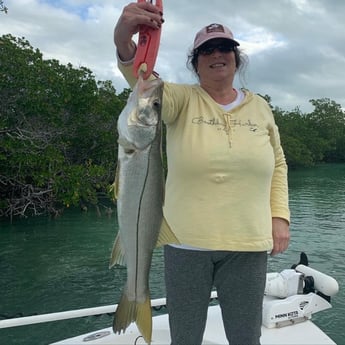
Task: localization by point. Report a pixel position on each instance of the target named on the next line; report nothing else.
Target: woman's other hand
(280, 234)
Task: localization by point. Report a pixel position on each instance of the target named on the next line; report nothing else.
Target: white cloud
(258, 39)
(307, 7)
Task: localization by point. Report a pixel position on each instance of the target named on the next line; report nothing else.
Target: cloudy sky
(296, 48)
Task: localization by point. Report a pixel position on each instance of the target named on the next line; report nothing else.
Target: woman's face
(216, 61)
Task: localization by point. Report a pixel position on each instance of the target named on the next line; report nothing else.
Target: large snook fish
(139, 189)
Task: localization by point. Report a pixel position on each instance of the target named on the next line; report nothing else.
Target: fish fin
(117, 254)
(141, 313)
(115, 186)
(166, 235)
(144, 319)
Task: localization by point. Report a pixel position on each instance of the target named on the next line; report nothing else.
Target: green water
(57, 265)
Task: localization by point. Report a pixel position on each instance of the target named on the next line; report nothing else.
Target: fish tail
(144, 319)
(140, 313)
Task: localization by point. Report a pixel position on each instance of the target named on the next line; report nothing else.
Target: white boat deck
(286, 321)
(306, 333)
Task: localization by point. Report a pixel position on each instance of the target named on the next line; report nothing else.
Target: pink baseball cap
(213, 31)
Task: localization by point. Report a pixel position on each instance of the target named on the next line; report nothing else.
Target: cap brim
(212, 38)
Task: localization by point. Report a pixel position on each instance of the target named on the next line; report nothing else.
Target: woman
(226, 191)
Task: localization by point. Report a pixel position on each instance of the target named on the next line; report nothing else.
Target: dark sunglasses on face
(208, 49)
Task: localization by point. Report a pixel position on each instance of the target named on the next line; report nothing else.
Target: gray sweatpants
(239, 278)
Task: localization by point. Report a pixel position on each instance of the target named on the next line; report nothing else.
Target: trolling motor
(300, 279)
(293, 295)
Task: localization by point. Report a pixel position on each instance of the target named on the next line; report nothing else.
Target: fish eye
(156, 103)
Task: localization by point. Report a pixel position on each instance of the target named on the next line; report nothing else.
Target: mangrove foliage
(58, 133)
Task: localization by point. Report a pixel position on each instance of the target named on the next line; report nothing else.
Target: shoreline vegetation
(58, 134)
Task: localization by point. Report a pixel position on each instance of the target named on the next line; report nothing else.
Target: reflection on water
(55, 265)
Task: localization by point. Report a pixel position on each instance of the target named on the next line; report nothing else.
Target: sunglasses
(208, 49)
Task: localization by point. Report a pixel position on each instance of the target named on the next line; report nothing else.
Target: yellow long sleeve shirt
(227, 174)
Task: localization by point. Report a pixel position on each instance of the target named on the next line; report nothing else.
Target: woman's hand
(280, 234)
(134, 15)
